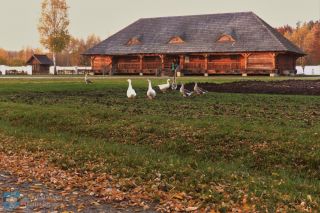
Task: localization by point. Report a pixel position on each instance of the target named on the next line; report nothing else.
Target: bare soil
(34, 196)
(292, 87)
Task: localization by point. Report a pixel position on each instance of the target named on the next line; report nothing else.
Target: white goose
(130, 92)
(86, 79)
(199, 90)
(185, 92)
(151, 93)
(164, 87)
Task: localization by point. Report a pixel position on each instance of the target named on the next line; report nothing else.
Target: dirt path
(292, 87)
(33, 196)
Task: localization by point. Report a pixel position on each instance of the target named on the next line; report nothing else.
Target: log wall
(98, 63)
(196, 64)
(150, 64)
(251, 63)
(286, 62)
(260, 61)
(229, 64)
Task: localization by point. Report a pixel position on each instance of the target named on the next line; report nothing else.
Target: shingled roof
(200, 34)
(42, 59)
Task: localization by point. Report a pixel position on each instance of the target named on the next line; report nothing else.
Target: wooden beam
(93, 58)
(110, 63)
(92, 61)
(141, 62)
(162, 61)
(274, 60)
(206, 62)
(181, 64)
(245, 56)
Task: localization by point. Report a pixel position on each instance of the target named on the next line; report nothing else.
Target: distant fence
(23, 70)
(308, 70)
(70, 70)
(27, 70)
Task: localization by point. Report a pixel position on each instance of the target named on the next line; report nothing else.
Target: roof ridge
(264, 25)
(208, 14)
(35, 56)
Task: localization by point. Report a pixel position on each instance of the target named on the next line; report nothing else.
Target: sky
(19, 18)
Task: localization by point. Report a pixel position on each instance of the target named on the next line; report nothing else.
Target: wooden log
(98, 63)
(206, 63)
(245, 56)
(260, 61)
(274, 57)
(162, 57)
(181, 64)
(141, 62)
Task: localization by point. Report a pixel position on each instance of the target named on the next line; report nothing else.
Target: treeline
(307, 37)
(71, 56)
(16, 58)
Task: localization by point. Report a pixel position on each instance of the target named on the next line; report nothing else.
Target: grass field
(218, 148)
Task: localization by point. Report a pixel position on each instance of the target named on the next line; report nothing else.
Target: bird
(151, 93)
(185, 92)
(164, 87)
(199, 90)
(86, 79)
(130, 92)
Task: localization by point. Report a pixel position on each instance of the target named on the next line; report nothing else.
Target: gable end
(226, 38)
(134, 41)
(176, 40)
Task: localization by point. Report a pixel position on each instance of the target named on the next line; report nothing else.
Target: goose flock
(151, 93)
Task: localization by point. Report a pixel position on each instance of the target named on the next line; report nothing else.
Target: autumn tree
(53, 27)
(17, 58)
(3, 57)
(307, 37)
(72, 55)
(285, 29)
(313, 45)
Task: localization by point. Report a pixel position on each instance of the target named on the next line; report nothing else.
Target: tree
(53, 27)
(285, 29)
(3, 57)
(72, 54)
(307, 37)
(3, 61)
(313, 45)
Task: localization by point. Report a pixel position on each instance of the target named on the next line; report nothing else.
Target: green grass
(266, 146)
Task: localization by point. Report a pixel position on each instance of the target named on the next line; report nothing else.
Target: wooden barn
(40, 64)
(230, 43)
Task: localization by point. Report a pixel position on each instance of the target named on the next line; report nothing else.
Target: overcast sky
(19, 18)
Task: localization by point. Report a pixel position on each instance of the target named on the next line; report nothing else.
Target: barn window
(226, 38)
(176, 40)
(134, 41)
(229, 35)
